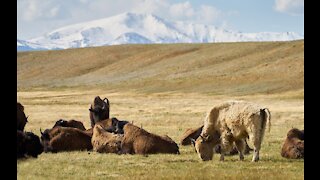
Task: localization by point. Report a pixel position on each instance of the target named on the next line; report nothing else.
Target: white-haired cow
(230, 122)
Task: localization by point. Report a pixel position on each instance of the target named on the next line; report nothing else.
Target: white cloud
(182, 10)
(292, 7)
(39, 16)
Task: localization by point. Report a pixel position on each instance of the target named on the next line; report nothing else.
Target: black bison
(99, 110)
(71, 123)
(28, 144)
(139, 141)
(293, 146)
(65, 139)
(21, 117)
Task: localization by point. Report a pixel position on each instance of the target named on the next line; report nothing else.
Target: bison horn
(193, 142)
(41, 131)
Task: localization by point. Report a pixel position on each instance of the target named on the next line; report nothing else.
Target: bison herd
(226, 129)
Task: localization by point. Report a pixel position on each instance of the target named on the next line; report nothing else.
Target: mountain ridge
(133, 28)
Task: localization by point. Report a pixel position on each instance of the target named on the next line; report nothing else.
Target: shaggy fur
(65, 139)
(71, 123)
(139, 141)
(28, 144)
(105, 142)
(233, 121)
(192, 134)
(21, 117)
(293, 146)
(99, 110)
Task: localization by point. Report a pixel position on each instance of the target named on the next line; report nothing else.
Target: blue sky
(36, 17)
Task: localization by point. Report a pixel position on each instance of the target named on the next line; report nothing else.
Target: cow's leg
(256, 141)
(226, 145)
(241, 147)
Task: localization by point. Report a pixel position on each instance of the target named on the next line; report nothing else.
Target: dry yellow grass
(166, 89)
(221, 68)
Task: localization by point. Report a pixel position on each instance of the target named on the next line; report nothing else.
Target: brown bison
(105, 142)
(191, 135)
(71, 123)
(65, 139)
(99, 110)
(21, 117)
(139, 141)
(113, 125)
(293, 146)
(28, 144)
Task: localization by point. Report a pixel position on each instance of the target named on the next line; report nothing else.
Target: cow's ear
(193, 142)
(91, 110)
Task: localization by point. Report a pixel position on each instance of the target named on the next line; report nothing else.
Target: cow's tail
(265, 116)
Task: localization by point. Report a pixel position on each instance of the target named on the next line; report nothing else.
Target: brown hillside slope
(217, 68)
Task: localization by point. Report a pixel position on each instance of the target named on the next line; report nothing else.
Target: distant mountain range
(132, 28)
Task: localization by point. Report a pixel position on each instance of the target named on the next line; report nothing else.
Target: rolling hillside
(215, 68)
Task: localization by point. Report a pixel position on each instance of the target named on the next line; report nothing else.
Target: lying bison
(139, 141)
(99, 110)
(65, 139)
(113, 125)
(104, 141)
(293, 146)
(28, 144)
(231, 122)
(71, 123)
(21, 117)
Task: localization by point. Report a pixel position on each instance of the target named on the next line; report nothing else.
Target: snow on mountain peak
(134, 28)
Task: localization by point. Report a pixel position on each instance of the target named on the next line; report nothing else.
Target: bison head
(296, 133)
(61, 123)
(33, 144)
(99, 110)
(204, 145)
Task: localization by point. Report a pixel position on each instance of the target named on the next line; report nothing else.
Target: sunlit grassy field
(160, 113)
(165, 89)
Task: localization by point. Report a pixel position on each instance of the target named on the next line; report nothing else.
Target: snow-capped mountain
(131, 28)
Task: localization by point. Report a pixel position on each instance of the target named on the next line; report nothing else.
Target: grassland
(166, 89)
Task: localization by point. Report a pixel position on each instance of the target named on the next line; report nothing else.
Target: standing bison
(230, 122)
(293, 146)
(99, 110)
(21, 117)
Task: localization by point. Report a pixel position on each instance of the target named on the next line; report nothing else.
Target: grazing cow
(71, 123)
(65, 139)
(28, 144)
(293, 146)
(139, 141)
(21, 117)
(191, 134)
(105, 142)
(230, 122)
(99, 110)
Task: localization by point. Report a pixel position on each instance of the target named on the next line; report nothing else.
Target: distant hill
(218, 68)
(133, 28)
